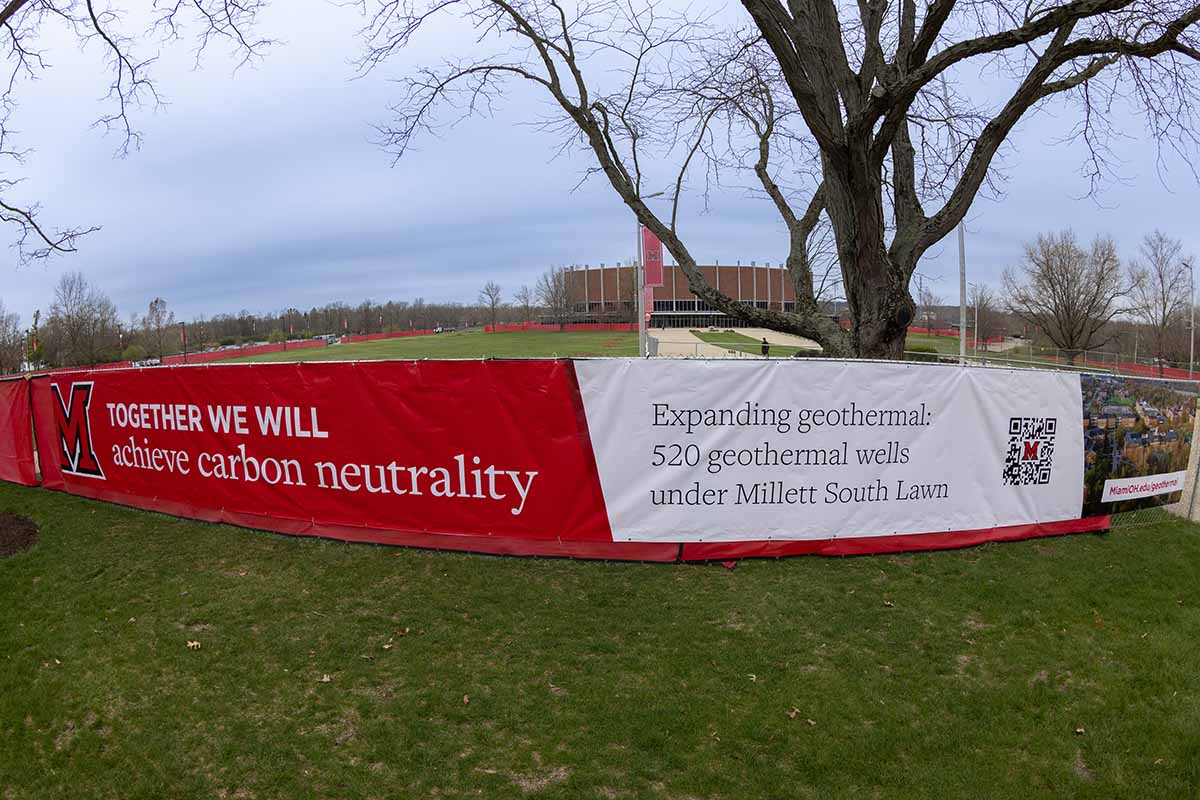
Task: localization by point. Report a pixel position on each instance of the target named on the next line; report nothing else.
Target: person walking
(766, 348)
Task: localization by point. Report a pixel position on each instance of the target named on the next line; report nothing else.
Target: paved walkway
(775, 337)
(681, 343)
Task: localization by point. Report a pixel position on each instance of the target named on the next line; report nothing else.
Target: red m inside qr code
(1030, 450)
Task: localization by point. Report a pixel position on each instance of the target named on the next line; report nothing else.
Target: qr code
(1030, 451)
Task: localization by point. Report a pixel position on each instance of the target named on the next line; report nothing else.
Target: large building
(609, 294)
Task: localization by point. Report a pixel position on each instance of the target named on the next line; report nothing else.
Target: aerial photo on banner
(1137, 435)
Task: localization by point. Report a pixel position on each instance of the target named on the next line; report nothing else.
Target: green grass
(747, 344)
(951, 674)
(470, 344)
(738, 341)
(948, 346)
(945, 345)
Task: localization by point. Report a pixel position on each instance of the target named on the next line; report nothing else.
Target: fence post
(1193, 469)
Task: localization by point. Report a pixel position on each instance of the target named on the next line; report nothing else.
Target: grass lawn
(354, 671)
(747, 344)
(470, 344)
(1019, 356)
(946, 345)
(738, 341)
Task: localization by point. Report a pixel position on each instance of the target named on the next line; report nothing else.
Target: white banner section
(692, 451)
(1117, 489)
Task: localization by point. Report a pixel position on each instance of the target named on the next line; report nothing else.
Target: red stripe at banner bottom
(871, 545)
(613, 551)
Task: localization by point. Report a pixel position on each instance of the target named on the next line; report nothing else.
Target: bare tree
(1067, 293)
(846, 112)
(489, 298)
(158, 323)
(12, 341)
(82, 319)
(929, 302)
(985, 315)
(1178, 344)
(26, 34)
(1161, 291)
(554, 294)
(524, 298)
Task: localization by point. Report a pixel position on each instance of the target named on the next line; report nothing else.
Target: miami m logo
(76, 454)
(1031, 451)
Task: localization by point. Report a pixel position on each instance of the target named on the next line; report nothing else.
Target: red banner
(240, 352)
(16, 434)
(868, 545)
(578, 326)
(652, 258)
(489, 455)
(498, 456)
(372, 337)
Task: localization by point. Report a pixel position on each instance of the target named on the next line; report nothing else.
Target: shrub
(920, 352)
(135, 352)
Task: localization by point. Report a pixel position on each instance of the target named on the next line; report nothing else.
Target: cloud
(263, 189)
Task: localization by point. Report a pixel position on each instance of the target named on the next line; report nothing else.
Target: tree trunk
(880, 305)
(876, 282)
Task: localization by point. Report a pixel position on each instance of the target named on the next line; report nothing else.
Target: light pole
(640, 273)
(1192, 324)
(976, 325)
(962, 255)
(975, 288)
(962, 296)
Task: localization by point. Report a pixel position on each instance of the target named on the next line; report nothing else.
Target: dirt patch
(64, 739)
(533, 782)
(975, 623)
(342, 731)
(17, 534)
(1081, 769)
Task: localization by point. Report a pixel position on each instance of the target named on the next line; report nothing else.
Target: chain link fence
(1026, 353)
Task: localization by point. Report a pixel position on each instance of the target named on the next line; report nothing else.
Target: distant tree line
(82, 325)
(1079, 299)
(1061, 295)
(1076, 299)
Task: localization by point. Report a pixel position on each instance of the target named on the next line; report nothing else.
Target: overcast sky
(263, 189)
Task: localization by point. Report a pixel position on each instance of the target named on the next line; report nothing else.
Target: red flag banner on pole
(652, 258)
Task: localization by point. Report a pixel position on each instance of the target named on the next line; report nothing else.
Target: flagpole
(640, 271)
